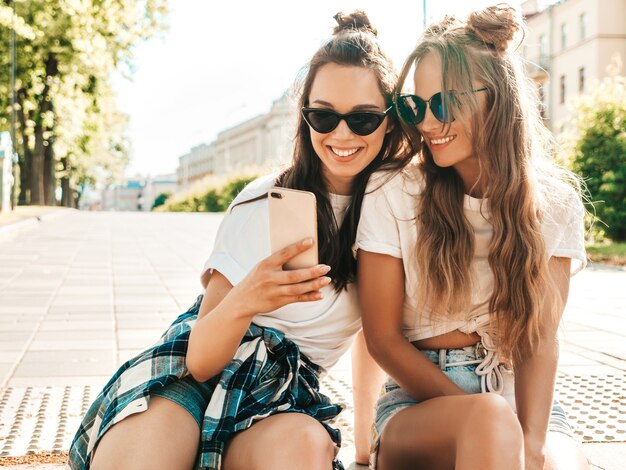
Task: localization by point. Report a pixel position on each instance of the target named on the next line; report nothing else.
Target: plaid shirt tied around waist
(267, 375)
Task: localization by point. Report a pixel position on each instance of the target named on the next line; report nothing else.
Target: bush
(598, 152)
(160, 200)
(232, 188)
(600, 159)
(211, 201)
(213, 194)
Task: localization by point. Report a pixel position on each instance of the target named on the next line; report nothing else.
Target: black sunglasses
(412, 108)
(360, 122)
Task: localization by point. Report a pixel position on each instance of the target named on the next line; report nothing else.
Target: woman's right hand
(268, 286)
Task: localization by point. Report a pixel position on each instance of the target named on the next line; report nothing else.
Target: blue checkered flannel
(268, 375)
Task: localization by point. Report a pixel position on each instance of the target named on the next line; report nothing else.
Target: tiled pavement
(82, 292)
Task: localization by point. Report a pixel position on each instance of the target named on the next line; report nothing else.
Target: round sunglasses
(360, 122)
(412, 108)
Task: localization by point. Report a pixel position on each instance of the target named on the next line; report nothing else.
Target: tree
(597, 150)
(160, 200)
(66, 53)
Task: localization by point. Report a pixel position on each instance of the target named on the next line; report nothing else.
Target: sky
(222, 62)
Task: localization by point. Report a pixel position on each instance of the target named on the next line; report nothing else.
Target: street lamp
(12, 91)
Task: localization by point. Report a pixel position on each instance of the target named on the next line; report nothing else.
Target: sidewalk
(82, 292)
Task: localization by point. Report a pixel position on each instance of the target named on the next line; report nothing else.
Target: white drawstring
(489, 367)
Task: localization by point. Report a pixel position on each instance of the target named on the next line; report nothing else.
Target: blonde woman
(464, 263)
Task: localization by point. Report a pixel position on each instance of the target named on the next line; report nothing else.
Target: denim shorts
(193, 396)
(393, 399)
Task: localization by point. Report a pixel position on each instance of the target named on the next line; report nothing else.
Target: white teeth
(344, 153)
(443, 140)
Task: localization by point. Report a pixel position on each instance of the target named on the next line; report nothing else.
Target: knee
(491, 418)
(312, 443)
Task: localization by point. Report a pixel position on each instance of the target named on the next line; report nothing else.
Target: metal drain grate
(35, 419)
(595, 406)
(340, 391)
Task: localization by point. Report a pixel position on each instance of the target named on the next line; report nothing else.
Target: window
(563, 36)
(581, 79)
(562, 90)
(583, 26)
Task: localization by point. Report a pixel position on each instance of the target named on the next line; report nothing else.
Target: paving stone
(67, 369)
(94, 289)
(137, 338)
(71, 335)
(75, 325)
(21, 309)
(12, 325)
(11, 346)
(141, 291)
(68, 357)
(71, 344)
(101, 300)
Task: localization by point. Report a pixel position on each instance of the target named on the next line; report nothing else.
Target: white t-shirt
(323, 329)
(387, 226)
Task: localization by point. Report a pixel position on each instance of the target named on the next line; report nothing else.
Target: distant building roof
(134, 184)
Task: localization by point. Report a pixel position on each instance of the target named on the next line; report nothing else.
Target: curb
(604, 267)
(33, 221)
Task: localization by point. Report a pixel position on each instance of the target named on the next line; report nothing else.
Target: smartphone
(293, 217)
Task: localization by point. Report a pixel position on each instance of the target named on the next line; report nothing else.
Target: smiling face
(450, 146)
(343, 153)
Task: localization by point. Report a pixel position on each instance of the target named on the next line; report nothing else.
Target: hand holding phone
(293, 217)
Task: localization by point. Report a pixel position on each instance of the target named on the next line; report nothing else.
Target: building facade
(570, 44)
(262, 141)
(195, 165)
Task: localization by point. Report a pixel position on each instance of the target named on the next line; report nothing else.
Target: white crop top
(323, 329)
(387, 226)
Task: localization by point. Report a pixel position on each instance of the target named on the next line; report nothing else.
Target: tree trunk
(25, 160)
(37, 188)
(66, 190)
(37, 167)
(49, 176)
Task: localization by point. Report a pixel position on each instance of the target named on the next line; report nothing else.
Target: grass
(607, 253)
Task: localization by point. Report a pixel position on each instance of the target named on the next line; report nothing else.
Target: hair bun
(436, 29)
(357, 21)
(495, 26)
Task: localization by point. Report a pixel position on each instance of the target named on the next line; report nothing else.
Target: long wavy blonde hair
(513, 149)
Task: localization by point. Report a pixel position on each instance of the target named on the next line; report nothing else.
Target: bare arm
(367, 378)
(535, 374)
(381, 296)
(226, 311)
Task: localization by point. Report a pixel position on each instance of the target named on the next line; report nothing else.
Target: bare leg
(453, 432)
(281, 442)
(165, 436)
(564, 453)
(367, 378)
